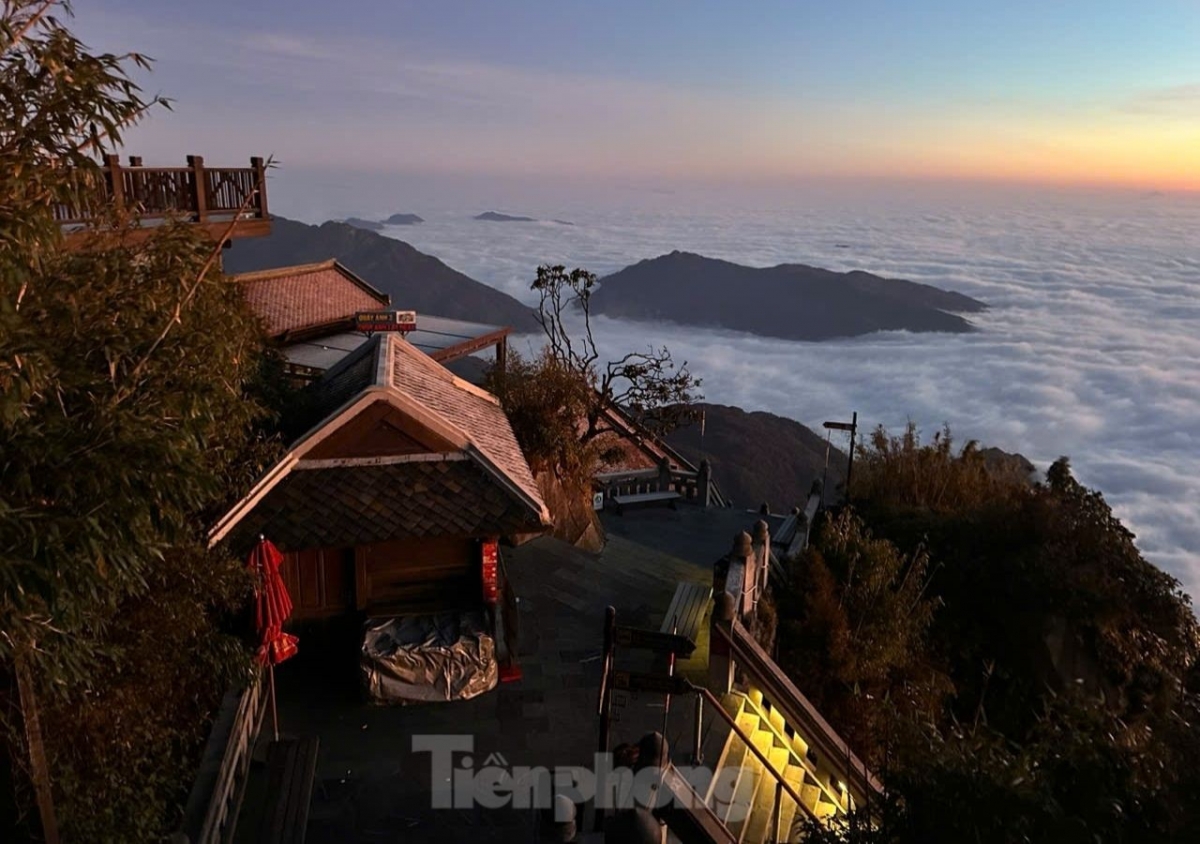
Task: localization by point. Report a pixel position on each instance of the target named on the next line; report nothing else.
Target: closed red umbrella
(272, 607)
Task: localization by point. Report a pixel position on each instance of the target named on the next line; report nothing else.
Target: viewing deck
(208, 196)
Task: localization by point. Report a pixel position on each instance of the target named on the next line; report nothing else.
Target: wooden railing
(212, 808)
(197, 193)
(696, 487)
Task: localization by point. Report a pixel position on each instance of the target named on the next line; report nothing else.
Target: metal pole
(780, 835)
(850, 462)
(610, 644)
(665, 763)
(610, 636)
(825, 477)
(670, 673)
(274, 711)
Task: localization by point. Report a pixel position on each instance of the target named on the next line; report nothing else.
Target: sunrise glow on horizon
(1084, 93)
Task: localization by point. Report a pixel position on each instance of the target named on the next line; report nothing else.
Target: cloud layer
(1091, 348)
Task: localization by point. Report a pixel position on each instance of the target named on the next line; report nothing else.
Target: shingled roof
(427, 454)
(298, 301)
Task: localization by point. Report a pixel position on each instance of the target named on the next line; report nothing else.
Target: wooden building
(394, 500)
(308, 310)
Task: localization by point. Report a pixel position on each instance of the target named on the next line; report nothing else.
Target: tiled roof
(484, 488)
(639, 447)
(292, 300)
(350, 376)
(344, 506)
(470, 408)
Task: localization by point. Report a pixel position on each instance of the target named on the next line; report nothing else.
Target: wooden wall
(385, 578)
(418, 575)
(320, 581)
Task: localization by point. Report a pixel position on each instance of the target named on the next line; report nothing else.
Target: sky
(675, 92)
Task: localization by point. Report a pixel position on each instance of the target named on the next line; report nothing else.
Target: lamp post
(852, 427)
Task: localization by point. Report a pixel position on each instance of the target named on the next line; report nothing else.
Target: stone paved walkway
(372, 788)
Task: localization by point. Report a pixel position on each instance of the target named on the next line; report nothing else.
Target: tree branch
(29, 24)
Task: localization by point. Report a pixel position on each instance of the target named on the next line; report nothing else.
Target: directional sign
(653, 640)
(840, 426)
(638, 681)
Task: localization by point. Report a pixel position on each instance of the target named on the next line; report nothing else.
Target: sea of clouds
(1091, 346)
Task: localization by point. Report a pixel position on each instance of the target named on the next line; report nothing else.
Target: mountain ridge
(412, 278)
(789, 301)
(760, 457)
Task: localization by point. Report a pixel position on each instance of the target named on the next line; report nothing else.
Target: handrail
(750, 656)
(632, 474)
(712, 701)
(804, 763)
(213, 804)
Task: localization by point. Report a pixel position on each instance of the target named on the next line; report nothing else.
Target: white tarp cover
(425, 658)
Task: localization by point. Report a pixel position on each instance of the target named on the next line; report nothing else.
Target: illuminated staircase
(775, 763)
(756, 800)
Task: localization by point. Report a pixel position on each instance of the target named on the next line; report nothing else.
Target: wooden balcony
(212, 197)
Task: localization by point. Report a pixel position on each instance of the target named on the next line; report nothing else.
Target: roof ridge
(349, 359)
(443, 372)
(474, 389)
(316, 267)
(294, 269)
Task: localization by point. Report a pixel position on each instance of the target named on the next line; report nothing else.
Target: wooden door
(320, 581)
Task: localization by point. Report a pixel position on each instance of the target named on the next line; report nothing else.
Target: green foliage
(1022, 566)
(545, 401)
(901, 473)
(134, 421)
(130, 376)
(124, 748)
(1072, 703)
(855, 621)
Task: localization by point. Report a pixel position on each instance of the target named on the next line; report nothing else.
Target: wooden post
(136, 184)
(762, 553)
(664, 475)
(199, 187)
(720, 660)
(742, 557)
(39, 769)
(116, 182)
(260, 185)
(704, 483)
(502, 355)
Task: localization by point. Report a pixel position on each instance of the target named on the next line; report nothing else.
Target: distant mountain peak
(403, 220)
(497, 217)
(791, 301)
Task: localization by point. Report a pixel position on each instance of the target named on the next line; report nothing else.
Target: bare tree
(646, 384)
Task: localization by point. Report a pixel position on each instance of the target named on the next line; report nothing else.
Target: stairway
(744, 793)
